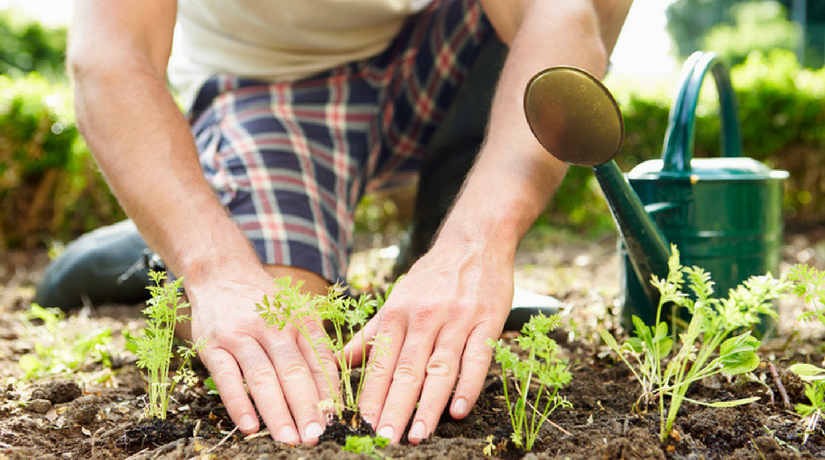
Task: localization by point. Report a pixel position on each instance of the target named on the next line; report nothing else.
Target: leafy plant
(154, 350)
(345, 315)
(49, 183)
(55, 352)
(366, 445)
(712, 331)
(528, 413)
(809, 284)
(27, 46)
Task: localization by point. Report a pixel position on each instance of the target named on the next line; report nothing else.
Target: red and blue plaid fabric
(291, 160)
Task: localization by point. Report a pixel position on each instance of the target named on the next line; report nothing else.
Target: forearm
(142, 143)
(514, 177)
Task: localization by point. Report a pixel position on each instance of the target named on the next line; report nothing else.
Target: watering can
(723, 214)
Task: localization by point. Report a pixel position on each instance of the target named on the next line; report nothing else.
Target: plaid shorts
(291, 160)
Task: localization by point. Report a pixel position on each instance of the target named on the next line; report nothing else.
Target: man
(295, 107)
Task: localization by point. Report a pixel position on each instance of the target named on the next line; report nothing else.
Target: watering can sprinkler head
(574, 116)
(576, 119)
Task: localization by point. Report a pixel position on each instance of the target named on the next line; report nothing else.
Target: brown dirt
(93, 413)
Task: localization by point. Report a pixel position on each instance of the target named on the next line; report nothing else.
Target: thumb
(357, 350)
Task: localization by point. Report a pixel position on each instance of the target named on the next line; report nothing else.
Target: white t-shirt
(278, 40)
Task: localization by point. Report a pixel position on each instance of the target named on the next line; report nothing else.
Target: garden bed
(92, 413)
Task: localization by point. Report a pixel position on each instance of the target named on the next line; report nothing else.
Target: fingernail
(312, 431)
(418, 431)
(460, 406)
(387, 432)
(247, 423)
(288, 435)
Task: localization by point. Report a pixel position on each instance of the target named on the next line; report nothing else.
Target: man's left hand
(433, 329)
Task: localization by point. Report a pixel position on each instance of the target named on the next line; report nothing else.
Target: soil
(96, 412)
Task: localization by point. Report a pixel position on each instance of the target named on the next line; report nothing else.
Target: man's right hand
(282, 374)
(117, 56)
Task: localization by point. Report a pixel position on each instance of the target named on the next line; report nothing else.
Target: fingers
(228, 380)
(441, 372)
(380, 367)
(262, 381)
(407, 380)
(475, 363)
(291, 375)
(285, 393)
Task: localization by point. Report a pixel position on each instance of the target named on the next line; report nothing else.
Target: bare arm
(118, 54)
(468, 274)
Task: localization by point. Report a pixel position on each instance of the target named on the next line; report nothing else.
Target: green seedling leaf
(288, 306)
(609, 340)
(209, 383)
(808, 372)
(155, 348)
(734, 403)
(542, 367)
(31, 365)
(738, 354)
(366, 445)
(715, 328)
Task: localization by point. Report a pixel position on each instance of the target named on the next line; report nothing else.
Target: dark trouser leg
(451, 153)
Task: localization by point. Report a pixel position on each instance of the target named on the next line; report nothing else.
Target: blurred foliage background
(51, 189)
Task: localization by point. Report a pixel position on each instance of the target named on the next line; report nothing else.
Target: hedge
(782, 115)
(49, 184)
(50, 187)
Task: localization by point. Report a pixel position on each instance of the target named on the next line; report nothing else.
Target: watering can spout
(578, 121)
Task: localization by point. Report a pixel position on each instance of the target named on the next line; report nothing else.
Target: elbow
(580, 18)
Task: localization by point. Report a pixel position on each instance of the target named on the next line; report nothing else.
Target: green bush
(49, 184)
(782, 113)
(27, 46)
(758, 26)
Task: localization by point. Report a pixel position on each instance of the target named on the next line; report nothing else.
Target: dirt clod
(152, 433)
(39, 406)
(349, 424)
(57, 391)
(84, 409)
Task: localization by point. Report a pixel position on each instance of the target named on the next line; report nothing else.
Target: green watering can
(724, 214)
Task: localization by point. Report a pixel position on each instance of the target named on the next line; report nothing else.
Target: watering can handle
(678, 148)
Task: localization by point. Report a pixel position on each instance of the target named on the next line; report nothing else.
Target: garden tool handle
(678, 148)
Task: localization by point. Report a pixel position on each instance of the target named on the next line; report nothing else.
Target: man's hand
(281, 372)
(458, 295)
(436, 320)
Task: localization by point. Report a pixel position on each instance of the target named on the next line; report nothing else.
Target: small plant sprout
(709, 333)
(809, 284)
(155, 349)
(489, 448)
(528, 414)
(366, 445)
(57, 351)
(344, 314)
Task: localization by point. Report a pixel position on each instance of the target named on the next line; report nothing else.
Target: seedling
(710, 332)
(543, 365)
(288, 306)
(366, 445)
(809, 284)
(56, 352)
(154, 350)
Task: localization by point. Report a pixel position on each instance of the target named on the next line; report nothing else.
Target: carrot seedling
(155, 349)
(809, 284)
(543, 364)
(710, 332)
(346, 315)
